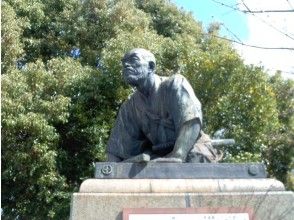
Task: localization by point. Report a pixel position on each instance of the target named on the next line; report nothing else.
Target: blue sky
(208, 11)
(262, 30)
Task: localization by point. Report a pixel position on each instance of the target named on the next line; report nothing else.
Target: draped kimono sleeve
(126, 136)
(183, 104)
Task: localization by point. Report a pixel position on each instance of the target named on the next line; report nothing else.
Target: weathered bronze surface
(161, 121)
(151, 170)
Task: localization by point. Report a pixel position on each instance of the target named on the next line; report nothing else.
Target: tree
(29, 145)
(11, 31)
(280, 153)
(49, 29)
(248, 113)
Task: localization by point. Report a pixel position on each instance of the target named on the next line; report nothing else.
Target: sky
(258, 29)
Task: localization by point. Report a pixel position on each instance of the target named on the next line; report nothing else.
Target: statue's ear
(151, 65)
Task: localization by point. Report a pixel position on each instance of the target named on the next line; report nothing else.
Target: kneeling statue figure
(161, 121)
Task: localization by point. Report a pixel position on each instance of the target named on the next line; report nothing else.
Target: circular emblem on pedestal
(253, 170)
(106, 169)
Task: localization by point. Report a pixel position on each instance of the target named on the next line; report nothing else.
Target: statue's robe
(157, 123)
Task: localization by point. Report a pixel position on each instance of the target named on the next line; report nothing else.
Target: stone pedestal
(105, 199)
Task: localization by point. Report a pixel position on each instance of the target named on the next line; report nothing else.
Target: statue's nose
(126, 65)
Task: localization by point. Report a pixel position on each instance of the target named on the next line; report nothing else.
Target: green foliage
(280, 153)
(57, 111)
(54, 126)
(49, 30)
(247, 111)
(11, 30)
(168, 20)
(29, 145)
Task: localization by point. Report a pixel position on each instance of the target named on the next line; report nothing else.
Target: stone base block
(179, 185)
(106, 205)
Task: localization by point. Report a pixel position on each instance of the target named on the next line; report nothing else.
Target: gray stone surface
(108, 170)
(179, 185)
(109, 206)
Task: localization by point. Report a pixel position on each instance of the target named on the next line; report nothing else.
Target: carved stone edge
(179, 185)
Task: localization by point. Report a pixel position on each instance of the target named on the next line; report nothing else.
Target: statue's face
(135, 67)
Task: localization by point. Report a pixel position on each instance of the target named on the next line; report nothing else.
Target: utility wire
(234, 35)
(246, 6)
(268, 11)
(252, 13)
(253, 46)
(226, 5)
(239, 41)
(289, 3)
(231, 10)
(263, 11)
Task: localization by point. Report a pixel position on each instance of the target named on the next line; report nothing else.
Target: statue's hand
(144, 157)
(177, 155)
(167, 160)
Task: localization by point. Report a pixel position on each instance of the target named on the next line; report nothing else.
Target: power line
(226, 5)
(253, 14)
(270, 25)
(258, 47)
(234, 35)
(231, 10)
(250, 45)
(239, 41)
(268, 11)
(289, 3)
(254, 11)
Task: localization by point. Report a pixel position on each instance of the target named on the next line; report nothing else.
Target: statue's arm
(186, 113)
(186, 139)
(124, 140)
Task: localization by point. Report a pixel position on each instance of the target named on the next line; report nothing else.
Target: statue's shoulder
(130, 101)
(178, 78)
(133, 95)
(175, 81)
(133, 100)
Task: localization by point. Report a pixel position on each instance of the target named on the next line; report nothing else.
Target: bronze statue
(161, 121)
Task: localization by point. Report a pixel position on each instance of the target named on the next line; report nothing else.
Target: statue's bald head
(138, 66)
(142, 53)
